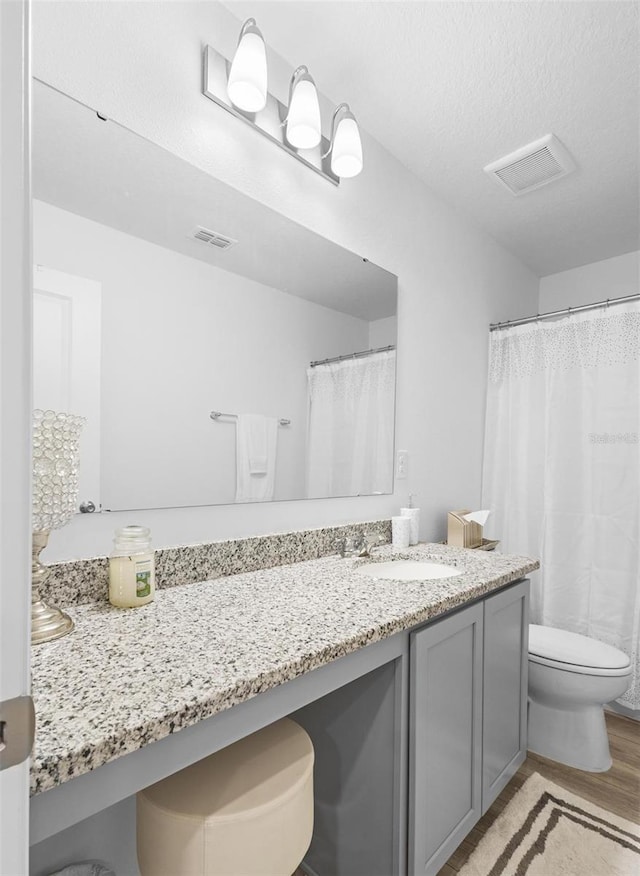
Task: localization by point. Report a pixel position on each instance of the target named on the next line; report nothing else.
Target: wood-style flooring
(617, 790)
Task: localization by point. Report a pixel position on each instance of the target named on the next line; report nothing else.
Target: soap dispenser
(131, 568)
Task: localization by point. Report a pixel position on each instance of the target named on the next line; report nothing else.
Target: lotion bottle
(131, 568)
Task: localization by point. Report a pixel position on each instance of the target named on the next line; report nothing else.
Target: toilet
(571, 677)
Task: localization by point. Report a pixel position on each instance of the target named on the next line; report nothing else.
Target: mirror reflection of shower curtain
(562, 469)
(351, 422)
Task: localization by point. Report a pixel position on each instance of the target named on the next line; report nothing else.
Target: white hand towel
(256, 446)
(258, 465)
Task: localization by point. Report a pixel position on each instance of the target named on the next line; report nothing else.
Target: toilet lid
(561, 646)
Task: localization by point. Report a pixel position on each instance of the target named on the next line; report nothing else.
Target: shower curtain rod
(527, 319)
(353, 355)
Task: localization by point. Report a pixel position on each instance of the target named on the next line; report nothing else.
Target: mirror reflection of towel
(258, 465)
(256, 446)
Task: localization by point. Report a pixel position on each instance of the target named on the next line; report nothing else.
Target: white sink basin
(408, 570)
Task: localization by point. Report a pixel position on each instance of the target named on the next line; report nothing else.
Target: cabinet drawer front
(445, 737)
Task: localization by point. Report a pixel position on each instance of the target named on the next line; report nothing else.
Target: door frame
(15, 409)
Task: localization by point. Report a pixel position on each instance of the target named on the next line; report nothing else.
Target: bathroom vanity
(413, 692)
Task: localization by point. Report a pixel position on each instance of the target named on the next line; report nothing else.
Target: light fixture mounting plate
(269, 121)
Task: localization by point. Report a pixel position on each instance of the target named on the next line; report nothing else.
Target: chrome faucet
(371, 541)
(358, 545)
(349, 547)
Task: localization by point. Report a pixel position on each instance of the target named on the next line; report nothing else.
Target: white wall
(181, 337)
(610, 278)
(141, 64)
(383, 332)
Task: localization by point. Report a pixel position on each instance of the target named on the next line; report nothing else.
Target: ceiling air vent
(532, 166)
(212, 238)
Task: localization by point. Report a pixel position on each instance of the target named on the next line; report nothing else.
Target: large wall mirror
(190, 325)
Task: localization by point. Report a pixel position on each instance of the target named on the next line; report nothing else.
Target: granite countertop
(127, 677)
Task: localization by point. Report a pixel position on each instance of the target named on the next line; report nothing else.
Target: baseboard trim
(619, 709)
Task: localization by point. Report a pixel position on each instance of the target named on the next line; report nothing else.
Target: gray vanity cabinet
(445, 743)
(504, 728)
(468, 700)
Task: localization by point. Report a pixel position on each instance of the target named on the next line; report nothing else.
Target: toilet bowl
(571, 677)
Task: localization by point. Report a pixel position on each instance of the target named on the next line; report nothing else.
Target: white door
(15, 424)
(66, 361)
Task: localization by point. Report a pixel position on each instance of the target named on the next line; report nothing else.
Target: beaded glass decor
(56, 459)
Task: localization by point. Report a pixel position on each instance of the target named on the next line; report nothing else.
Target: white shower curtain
(562, 468)
(351, 418)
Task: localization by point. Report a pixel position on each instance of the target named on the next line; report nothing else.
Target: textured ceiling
(449, 87)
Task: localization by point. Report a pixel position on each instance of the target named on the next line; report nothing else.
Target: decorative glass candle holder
(56, 457)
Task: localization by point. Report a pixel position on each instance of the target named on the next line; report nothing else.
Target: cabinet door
(445, 737)
(506, 645)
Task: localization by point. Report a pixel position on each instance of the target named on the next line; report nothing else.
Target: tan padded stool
(245, 811)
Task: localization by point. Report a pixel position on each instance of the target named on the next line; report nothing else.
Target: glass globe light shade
(247, 83)
(303, 119)
(346, 149)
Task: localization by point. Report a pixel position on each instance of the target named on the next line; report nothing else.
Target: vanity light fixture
(303, 125)
(346, 145)
(240, 87)
(247, 83)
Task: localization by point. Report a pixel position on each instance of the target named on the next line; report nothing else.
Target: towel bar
(215, 415)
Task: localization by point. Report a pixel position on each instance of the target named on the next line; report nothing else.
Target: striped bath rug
(547, 831)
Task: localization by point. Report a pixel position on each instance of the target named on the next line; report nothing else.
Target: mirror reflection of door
(66, 361)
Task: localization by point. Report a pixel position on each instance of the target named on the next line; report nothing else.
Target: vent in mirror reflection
(212, 237)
